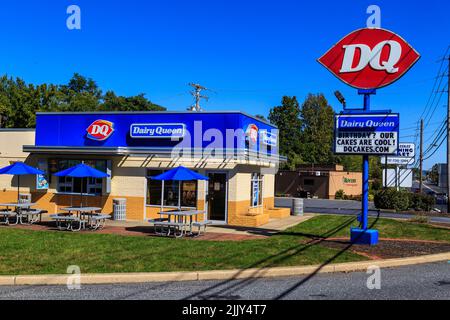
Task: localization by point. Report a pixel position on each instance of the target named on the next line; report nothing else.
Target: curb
(112, 278)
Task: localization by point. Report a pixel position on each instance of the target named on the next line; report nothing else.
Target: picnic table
(19, 211)
(181, 221)
(77, 218)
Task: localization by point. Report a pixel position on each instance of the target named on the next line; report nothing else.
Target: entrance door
(217, 197)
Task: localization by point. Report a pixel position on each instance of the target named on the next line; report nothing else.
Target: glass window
(90, 186)
(189, 194)
(154, 188)
(256, 190)
(171, 193)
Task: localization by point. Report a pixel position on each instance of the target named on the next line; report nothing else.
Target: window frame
(257, 178)
(87, 185)
(163, 187)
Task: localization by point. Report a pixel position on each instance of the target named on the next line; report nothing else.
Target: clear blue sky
(250, 52)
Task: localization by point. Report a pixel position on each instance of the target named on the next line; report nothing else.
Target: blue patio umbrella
(179, 174)
(20, 169)
(82, 171)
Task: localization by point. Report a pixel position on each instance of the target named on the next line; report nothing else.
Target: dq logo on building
(370, 58)
(100, 130)
(252, 133)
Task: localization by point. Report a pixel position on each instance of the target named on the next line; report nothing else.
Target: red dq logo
(100, 130)
(252, 133)
(370, 58)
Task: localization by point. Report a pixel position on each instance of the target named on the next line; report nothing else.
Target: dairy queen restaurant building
(238, 152)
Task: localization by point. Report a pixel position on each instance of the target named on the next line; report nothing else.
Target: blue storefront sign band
(155, 130)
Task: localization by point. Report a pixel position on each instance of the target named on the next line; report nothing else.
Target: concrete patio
(213, 232)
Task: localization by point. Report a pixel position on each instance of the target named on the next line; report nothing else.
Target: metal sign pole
(364, 235)
(365, 168)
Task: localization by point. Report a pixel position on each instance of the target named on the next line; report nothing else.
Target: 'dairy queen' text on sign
(366, 134)
(156, 130)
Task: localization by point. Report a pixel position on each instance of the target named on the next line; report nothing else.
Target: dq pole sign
(368, 59)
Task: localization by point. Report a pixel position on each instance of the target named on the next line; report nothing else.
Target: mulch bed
(391, 248)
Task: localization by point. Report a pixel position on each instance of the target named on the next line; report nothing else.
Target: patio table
(85, 213)
(179, 219)
(17, 209)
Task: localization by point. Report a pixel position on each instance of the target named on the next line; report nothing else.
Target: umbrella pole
(179, 199)
(179, 195)
(82, 180)
(18, 189)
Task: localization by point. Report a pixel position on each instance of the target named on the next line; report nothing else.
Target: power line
(438, 147)
(432, 98)
(437, 103)
(435, 82)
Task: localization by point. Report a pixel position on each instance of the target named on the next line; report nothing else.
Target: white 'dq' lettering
(103, 130)
(372, 57)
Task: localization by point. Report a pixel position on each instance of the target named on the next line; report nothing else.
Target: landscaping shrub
(376, 185)
(339, 195)
(403, 200)
(392, 199)
(354, 198)
(420, 219)
(421, 202)
(428, 202)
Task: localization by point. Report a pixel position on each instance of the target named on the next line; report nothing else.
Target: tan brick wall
(269, 185)
(239, 210)
(11, 142)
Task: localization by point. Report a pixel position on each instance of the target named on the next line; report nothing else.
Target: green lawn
(43, 252)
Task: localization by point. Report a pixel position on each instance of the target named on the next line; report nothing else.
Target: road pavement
(428, 281)
(349, 207)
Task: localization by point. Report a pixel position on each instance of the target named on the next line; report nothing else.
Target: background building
(442, 175)
(318, 181)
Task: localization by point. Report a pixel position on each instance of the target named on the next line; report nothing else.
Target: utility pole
(197, 96)
(421, 157)
(448, 137)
